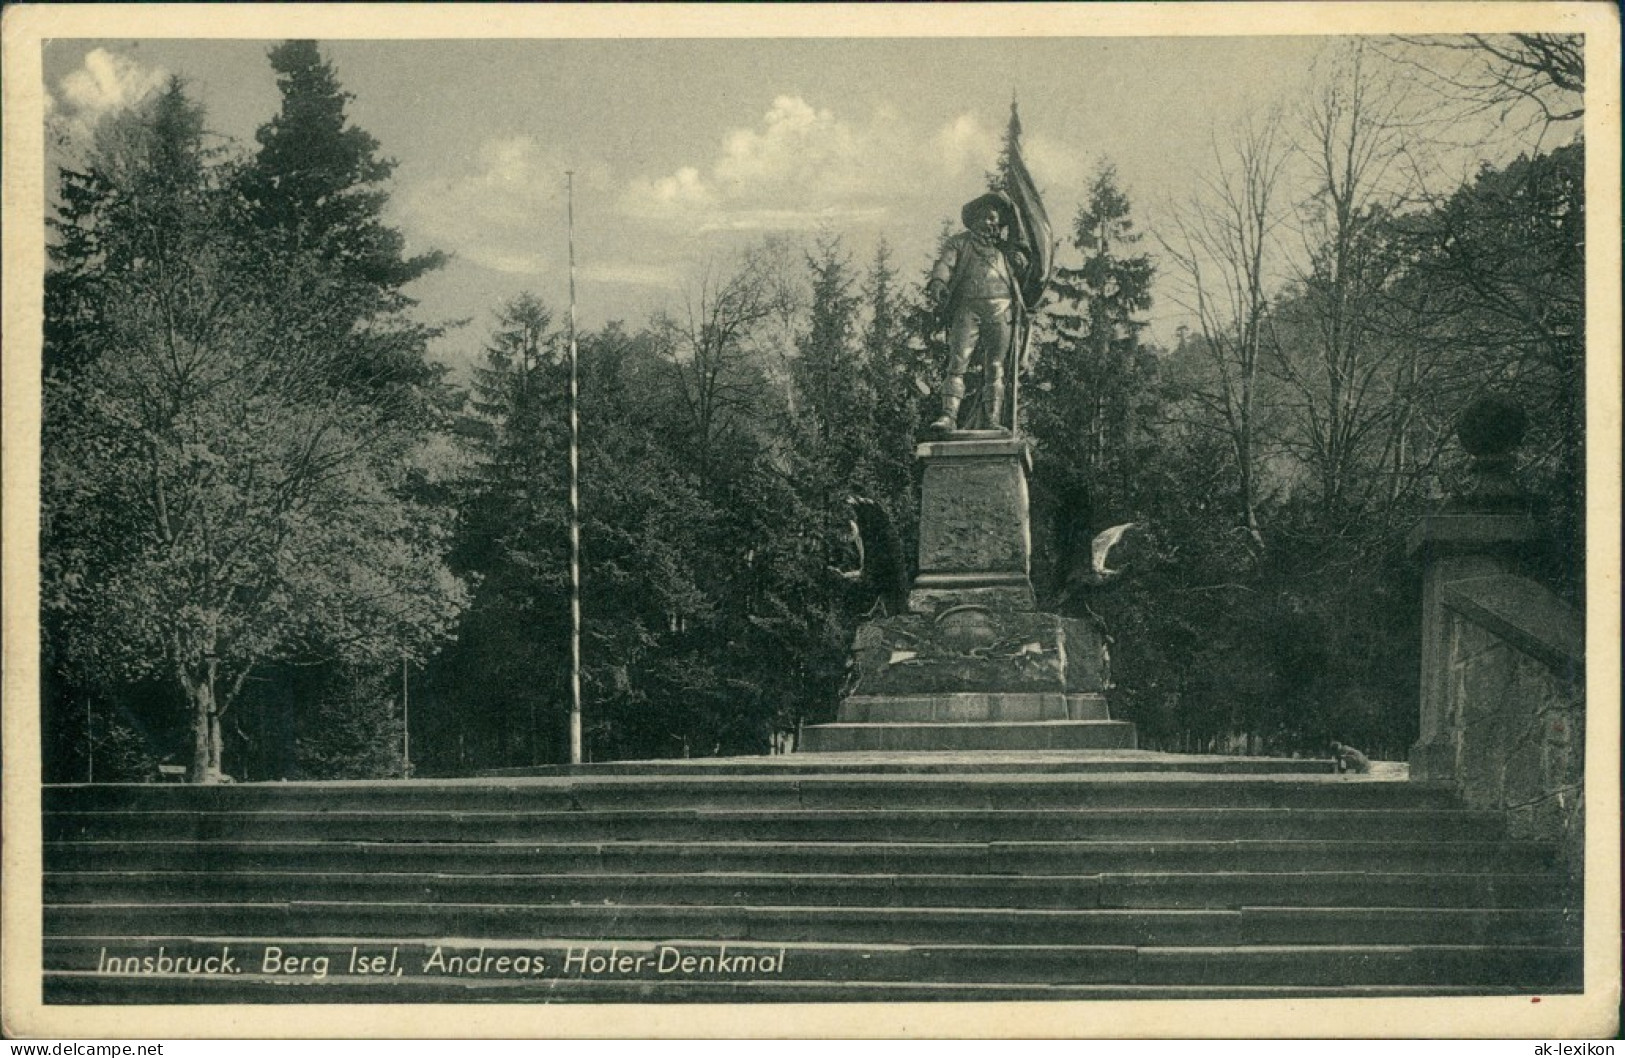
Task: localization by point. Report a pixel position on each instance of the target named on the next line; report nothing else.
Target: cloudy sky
(686, 150)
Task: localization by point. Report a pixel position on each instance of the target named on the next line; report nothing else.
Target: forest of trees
(270, 522)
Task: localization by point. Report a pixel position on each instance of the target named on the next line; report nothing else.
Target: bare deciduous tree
(1350, 377)
(1540, 76)
(1222, 251)
(719, 370)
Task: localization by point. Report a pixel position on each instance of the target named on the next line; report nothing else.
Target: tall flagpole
(406, 722)
(575, 500)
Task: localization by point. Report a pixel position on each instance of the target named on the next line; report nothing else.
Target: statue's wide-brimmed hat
(997, 200)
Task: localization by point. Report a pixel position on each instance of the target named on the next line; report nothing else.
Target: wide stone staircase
(851, 877)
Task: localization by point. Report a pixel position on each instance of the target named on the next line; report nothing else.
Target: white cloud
(965, 144)
(500, 260)
(633, 274)
(684, 189)
(1056, 165)
(801, 167)
(769, 220)
(105, 83)
(795, 144)
(108, 81)
(501, 209)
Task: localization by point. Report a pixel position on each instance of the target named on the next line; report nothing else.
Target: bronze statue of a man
(977, 285)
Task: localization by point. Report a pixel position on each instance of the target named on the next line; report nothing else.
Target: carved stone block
(974, 529)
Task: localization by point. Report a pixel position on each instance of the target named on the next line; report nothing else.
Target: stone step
(1540, 927)
(1114, 763)
(776, 791)
(895, 875)
(337, 961)
(993, 857)
(713, 824)
(90, 988)
(1042, 735)
(1139, 890)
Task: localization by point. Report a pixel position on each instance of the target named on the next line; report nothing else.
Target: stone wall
(1516, 709)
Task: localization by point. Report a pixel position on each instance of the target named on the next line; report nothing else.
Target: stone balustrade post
(1480, 532)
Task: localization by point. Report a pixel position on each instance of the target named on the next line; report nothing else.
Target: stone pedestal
(973, 665)
(975, 537)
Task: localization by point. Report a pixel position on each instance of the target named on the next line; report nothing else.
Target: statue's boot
(995, 410)
(953, 391)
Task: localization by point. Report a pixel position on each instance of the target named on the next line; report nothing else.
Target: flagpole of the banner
(575, 496)
(1018, 349)
(1034, 227)
(1018, 354)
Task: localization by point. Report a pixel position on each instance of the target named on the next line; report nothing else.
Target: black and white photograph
(924, 520)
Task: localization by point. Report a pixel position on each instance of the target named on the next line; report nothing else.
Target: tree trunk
(207, 742)
(215, 772)
(198, 770)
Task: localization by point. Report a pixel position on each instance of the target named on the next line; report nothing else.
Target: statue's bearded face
(987, 223)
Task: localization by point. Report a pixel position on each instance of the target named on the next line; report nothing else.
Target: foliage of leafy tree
(666, 557)
(718, 369)
(213, 501)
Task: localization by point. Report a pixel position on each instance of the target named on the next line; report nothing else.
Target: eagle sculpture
(881, 576)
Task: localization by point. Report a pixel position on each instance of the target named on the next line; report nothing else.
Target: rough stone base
(971, 708)
(1057, 734)
(931, 601)
(973, 650)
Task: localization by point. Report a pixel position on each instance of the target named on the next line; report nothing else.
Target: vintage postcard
(952, 520)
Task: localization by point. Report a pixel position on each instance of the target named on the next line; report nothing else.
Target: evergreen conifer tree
(320, 180)
(1092, 374)
(318, 185)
